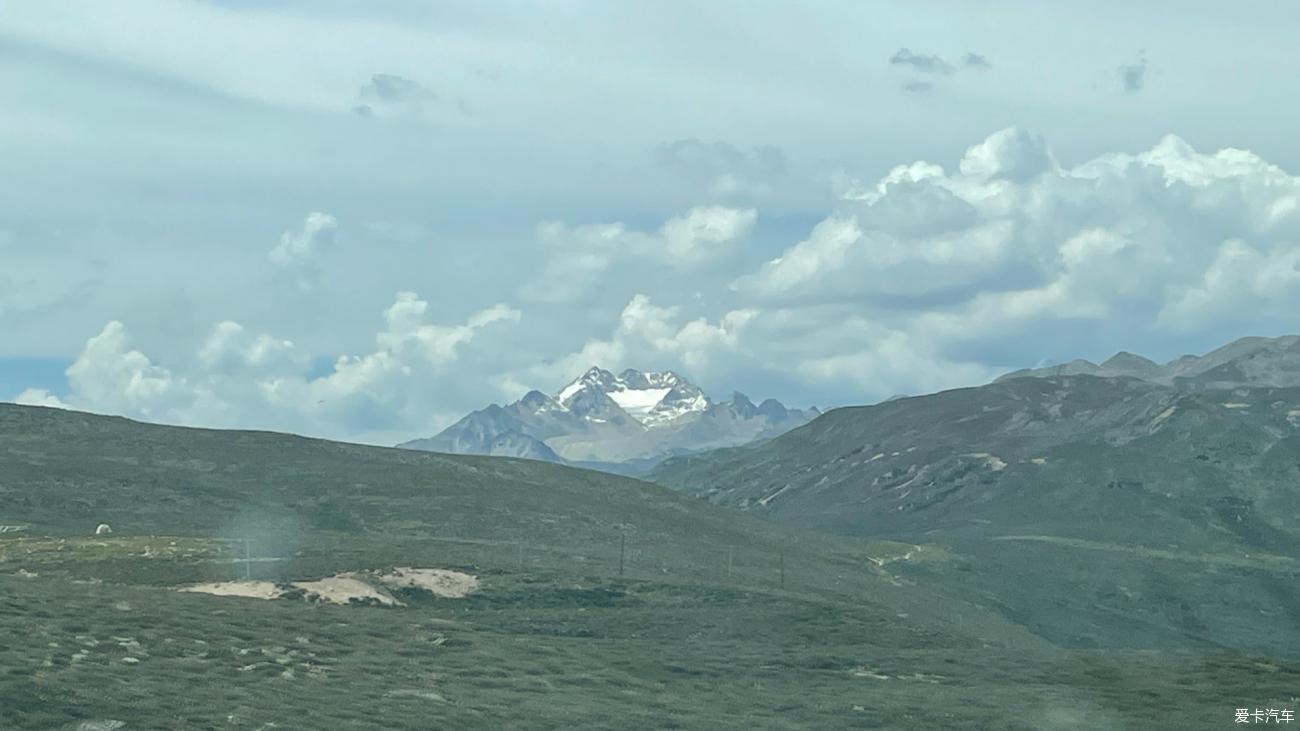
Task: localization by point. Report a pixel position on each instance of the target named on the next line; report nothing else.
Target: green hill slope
(1100, 511)
(713, 620)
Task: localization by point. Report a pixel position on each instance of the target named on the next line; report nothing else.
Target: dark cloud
(924, 63)
(1133, 76)
(933, 66)
(392, 94)
(392, 88)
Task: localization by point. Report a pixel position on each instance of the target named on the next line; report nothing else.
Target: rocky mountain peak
(652, 398)
(595, 378)
(743, 407)
(601, 417)
(773, 409)
(681, 399)
(593, 404)
(1125, 361)
(632, 378)
(536, 401)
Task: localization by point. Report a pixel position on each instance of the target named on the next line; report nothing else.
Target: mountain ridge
(1136, 504)
(1246, 361)
(623, 423)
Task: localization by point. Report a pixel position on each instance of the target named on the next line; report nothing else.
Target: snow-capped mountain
(652, 399)
(621, 422)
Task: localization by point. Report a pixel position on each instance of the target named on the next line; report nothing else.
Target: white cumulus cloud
(578, 257)
(649, 336)
(297, 251)
(929, 277)
(236, 377)
(1170, 237)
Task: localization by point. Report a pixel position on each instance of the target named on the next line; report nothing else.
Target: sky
(362, 220)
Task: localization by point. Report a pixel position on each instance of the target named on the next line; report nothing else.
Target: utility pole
(622, 550)
(248, 560)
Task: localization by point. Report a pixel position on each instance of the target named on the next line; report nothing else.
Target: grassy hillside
(716, 620)
(1099, 512)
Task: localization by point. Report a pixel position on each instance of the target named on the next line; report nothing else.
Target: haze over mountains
(621, 422)
(1144, 500)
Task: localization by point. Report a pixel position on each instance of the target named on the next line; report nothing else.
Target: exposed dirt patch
(1162, 416)
(249, 589)
(355, 587)
(994, 462)
(439, 582)
(344, 589)
(427, 695)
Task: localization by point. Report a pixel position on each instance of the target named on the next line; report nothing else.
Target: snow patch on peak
(683, 399)
(569, 391)
(600, 417)
(652, 398)
(595, 378)
(638, 401)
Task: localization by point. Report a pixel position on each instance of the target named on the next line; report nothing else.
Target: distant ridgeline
(1253, 362)
(622, 423)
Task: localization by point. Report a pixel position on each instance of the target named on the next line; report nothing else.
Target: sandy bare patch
(1163, 415)
(249, 589)
(865, 672)
(439, 582)
(109, 725)
(765, 500)
(992, 460)
(427, 695)
(343, 588)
